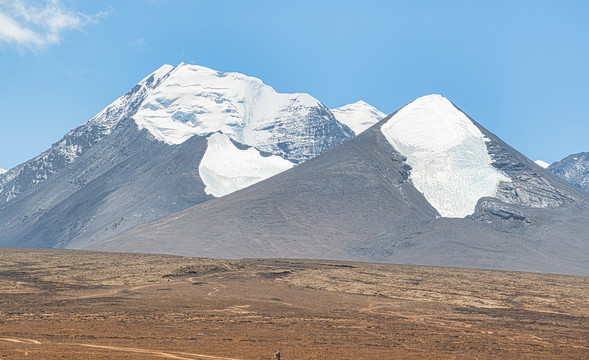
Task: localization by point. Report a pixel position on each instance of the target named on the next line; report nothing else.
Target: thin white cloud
(38, 23)
(140, 42)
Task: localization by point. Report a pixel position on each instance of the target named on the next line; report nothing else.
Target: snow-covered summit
(195, 100)
(2, 171)
(447, 152)
(542, 163)
(358, 116)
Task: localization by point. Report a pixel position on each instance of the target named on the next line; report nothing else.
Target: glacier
(226, 168)
(448, 155)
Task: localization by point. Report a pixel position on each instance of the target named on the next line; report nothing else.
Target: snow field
(225, 168)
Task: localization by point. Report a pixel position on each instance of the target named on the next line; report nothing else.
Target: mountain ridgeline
(181, 136)
(384, 195)
(198, 162)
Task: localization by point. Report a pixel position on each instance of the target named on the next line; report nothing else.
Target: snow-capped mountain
(455, 162)
(542, 163)
(141, 157)
(574, 169)
(194, 100)
(358, 116)
(2, 171)
(175, 103)
(426, 185)
(450, 163)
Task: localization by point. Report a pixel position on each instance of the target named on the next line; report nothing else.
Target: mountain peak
(359, 103)
(573, 168)
(195, 100)
(2, 171)
(432, 97)
(358, 116)
(447, 152)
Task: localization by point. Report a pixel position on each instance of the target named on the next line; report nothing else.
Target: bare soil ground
(84, 305)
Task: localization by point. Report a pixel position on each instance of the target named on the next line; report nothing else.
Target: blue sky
(520, 68)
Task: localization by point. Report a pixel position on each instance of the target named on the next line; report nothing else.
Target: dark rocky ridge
(24, 177)
(573, 168)
(128, 179)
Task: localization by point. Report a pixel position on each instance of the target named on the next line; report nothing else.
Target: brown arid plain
(57, 304)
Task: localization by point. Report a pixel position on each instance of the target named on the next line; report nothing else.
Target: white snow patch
(2, 171)
(450, 162)
(543, 164)
(225, 168)
(358, 116)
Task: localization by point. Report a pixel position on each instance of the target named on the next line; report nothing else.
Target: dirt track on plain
(73, 305)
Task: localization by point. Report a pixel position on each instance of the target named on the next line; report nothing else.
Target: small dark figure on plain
(278, 357)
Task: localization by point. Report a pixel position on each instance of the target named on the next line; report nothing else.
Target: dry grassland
(85, 305)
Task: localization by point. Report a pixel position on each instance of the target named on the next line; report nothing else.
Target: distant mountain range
(573, 168)
(181, 136)
(194, 161)
(426, 185)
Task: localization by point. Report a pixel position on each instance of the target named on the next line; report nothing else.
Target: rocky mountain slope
(573, 168)
(181, 136)
(427, 185)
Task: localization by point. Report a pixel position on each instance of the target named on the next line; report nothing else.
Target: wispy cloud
(142, 43)
(39, 23)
